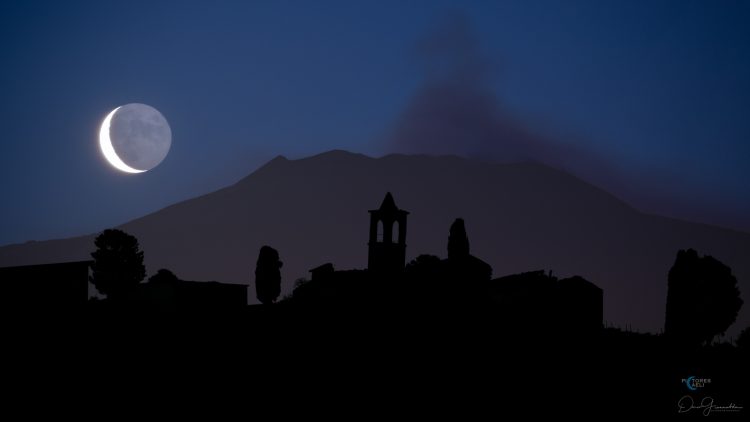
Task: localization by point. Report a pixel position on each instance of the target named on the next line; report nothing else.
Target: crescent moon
(108, 150)
(689, 383)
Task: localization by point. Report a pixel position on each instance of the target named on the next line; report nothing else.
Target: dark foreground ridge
(461, 358)
(426, 337)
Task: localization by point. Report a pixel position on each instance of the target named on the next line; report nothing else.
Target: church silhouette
(387, 245)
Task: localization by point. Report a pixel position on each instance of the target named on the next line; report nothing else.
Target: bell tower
(387, 246)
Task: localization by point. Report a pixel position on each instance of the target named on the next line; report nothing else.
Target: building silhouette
(387, 245)
(539, 300)
(321, 272)
(55, 286)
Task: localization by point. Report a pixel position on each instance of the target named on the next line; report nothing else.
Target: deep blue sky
(654, 96)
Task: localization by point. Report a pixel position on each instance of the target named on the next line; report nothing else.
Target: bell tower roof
(388, 203)
(388, 206)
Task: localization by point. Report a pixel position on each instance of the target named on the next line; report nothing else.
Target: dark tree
(702, 299)
(424, 267)
(743, 340)
(458, 241)
(462, 266)
(163, 276)
(118, 264)
(268, 275)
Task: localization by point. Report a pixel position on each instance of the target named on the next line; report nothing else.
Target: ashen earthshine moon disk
(135, 138)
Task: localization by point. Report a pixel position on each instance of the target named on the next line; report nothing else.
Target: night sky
(649, 100)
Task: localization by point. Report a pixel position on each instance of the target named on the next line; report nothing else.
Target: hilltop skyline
(520, 217)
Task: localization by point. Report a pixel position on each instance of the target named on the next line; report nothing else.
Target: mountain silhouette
(519, 217)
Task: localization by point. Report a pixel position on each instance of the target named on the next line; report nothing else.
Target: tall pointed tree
(458, 241)
(268, 275)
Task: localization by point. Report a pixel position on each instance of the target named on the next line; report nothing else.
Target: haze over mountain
(519, 217)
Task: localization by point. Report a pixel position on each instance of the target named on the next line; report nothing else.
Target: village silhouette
(448, 312)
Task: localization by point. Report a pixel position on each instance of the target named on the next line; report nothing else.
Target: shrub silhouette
(118, 264)
(702, 299)
(268, 275)
(424, 267)
(163, 276)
